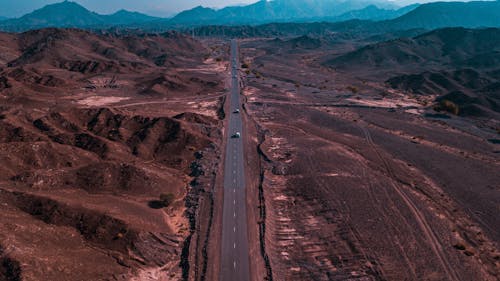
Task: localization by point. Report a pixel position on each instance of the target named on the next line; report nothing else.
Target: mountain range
(71, 14)
(385, 14)
(280, 10)
(373, 12)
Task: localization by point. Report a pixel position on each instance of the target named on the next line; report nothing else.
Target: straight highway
(234, 248)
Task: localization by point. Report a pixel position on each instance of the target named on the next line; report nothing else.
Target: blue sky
(16, 8)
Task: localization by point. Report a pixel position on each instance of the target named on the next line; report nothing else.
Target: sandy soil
(101, 101)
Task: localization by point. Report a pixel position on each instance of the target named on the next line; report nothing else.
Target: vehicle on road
(236, 135)
(236, 111)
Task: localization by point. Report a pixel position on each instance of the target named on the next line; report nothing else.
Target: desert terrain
(366, 156)
(109, 144)
(378, 160)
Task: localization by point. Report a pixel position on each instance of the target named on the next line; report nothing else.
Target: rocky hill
(457, 65)
(99, 148)
(449, 46)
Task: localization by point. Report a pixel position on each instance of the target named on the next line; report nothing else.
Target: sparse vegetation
(166, 199)
(448, 106)
(353, 89)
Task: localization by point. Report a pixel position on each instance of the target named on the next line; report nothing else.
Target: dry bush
(448, 106)
(353, 89)
(166, 199)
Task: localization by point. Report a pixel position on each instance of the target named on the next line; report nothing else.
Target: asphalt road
(234, 252)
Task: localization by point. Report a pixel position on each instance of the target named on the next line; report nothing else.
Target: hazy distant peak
(71, 14)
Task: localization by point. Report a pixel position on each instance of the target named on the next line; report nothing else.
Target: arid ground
(363, 181)
(363, 160)
(94, 129)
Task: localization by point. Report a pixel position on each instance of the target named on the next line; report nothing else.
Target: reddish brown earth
(352, 175)
(93, 128)
(360, 181)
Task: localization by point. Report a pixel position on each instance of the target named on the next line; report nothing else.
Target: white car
(236, 111)
(236, 135)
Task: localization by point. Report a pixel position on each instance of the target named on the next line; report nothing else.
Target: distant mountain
(373, 12)
(200, 14)
(451, 14)
(376, 16)
(70, 14)
(426, 16)
(275, 11)
(64, 14)
(127, 17)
